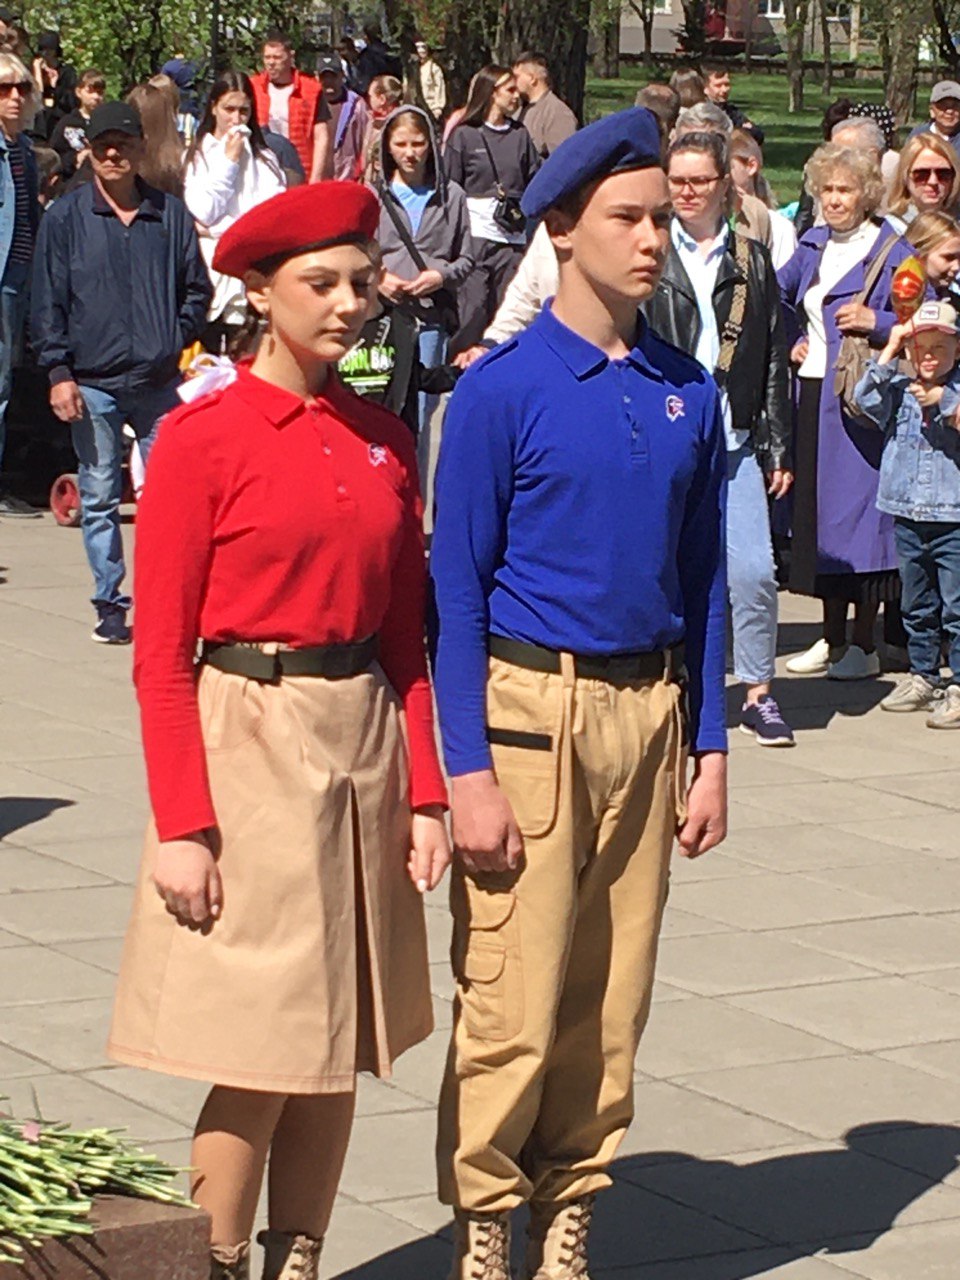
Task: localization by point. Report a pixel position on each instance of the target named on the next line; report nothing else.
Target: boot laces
(576, 1219)
(489, 1248)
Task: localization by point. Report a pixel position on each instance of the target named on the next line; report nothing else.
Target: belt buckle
(273, 666)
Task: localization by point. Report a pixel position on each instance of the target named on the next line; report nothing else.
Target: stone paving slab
(797, 1111)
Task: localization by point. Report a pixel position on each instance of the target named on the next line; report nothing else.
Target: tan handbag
(855, 350)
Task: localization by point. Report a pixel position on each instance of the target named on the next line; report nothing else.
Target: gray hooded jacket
(443, 237)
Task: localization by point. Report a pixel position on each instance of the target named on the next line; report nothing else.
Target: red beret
(296, 221)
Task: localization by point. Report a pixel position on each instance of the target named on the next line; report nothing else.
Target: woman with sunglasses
(693, 308)
(842, 547)
(19, 219)
(928, 178)
(492, 158)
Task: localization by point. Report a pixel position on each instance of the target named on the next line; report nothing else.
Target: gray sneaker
(947, 712)
(913, 694)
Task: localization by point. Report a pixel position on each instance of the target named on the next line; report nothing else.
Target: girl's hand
(429, 848)
(779, 482)
(393, 287)
(854, 317)
(188, 879)
(927, 397)
(426, 282)
(233, 146)
(800, 351)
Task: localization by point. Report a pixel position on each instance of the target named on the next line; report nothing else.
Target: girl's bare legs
(230, 1146)
(306, 1160)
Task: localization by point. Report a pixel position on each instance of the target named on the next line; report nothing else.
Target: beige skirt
(317, 967)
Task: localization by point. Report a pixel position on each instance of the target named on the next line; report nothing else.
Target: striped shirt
(21, 247)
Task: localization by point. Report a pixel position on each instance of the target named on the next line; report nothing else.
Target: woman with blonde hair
(935, 237)
(928, 177)
(838, 284)
(162, 165)
(19, 219)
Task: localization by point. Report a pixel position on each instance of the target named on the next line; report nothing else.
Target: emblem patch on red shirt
(378, 456)
(674, 408)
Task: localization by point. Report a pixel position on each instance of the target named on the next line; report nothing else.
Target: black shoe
(112, 627)
(14, 508)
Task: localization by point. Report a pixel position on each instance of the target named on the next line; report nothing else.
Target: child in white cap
(920, 488)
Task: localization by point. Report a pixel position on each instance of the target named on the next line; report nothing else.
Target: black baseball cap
(329, 62)
(114, 117)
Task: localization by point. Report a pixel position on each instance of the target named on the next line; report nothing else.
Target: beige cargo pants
(555, 962)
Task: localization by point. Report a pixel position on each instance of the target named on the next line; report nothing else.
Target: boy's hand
(927, 397)
(899, 335)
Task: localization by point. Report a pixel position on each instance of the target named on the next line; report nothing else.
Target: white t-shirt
(279, 120)
(841, 254)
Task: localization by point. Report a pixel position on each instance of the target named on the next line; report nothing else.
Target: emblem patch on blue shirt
(674, 408)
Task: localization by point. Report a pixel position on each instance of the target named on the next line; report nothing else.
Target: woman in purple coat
(842, 550)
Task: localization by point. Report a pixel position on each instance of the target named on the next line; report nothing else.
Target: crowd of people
(272, 288)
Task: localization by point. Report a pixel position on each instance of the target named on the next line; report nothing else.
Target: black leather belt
(331, 661)
(615, 667)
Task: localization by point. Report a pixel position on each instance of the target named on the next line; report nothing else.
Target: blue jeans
(751, 577)
(432, 345)
(929, 555)
(14, 293)
(98, 443)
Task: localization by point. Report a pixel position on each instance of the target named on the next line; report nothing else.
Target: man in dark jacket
(716, 85)
(119, 289)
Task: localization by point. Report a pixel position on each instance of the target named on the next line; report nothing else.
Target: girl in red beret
(277, 944)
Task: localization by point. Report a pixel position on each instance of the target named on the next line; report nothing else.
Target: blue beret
(626, 140)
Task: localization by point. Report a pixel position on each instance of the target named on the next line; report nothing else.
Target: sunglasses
(930, 175)
(23, 87)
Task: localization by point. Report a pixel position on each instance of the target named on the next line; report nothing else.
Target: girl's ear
(258, 292)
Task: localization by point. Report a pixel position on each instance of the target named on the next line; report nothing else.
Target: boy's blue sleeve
(876, 392)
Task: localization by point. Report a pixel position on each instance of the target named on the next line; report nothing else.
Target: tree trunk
(648, 38)
(561, 29)
(905, 22)
(796, 13)
(825, 35)
(948, 50)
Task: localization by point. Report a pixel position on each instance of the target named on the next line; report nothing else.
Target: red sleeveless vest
(303, 112)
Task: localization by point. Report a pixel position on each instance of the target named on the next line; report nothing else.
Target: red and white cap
(935, 315)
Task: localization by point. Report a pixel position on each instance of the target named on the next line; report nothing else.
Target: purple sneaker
(765, 721)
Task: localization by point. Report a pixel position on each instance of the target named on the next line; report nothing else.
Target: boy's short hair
(92, 79)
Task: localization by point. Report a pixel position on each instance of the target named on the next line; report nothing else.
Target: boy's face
(936, 354)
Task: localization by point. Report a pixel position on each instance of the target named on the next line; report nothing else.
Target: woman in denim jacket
(920, 488)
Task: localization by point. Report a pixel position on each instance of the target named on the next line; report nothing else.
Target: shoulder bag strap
(873, 274)
(733, 326)
(389, 204)
(493, 164)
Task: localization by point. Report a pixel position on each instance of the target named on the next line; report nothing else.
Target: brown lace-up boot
(557, 1242)
(289, 1256)
(481, 1246)
(230, 1262)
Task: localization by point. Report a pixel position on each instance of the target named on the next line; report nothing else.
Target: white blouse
(217, 191)
(840, 255)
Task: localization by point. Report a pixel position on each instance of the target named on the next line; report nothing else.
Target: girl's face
(841, 199)
(930, 180)
(506, 96)
(89, 97)
(409, 147)
(231, 109)
(698, 191)
(318, 302)
(743, 171)
(943, 263)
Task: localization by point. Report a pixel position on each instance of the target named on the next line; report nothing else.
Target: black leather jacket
(758, 383)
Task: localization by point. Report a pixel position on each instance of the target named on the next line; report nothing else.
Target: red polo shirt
(267, 518)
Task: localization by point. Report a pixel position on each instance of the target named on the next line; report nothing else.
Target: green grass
(790, 138)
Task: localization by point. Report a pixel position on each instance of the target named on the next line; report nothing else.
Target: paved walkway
(798, 1108)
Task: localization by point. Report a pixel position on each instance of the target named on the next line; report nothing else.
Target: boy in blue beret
(579, 571)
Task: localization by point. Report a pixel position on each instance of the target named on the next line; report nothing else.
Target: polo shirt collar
(581, 357)
(279, 406)
(150, 202)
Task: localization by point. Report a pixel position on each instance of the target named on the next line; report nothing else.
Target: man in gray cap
(944, 113)
(579, 571)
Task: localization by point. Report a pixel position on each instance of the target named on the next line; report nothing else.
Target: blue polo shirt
(580, 506)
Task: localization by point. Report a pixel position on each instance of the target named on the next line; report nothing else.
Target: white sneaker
(814, 661)
(855, 665)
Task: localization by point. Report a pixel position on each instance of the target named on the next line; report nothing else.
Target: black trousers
(482, 292)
